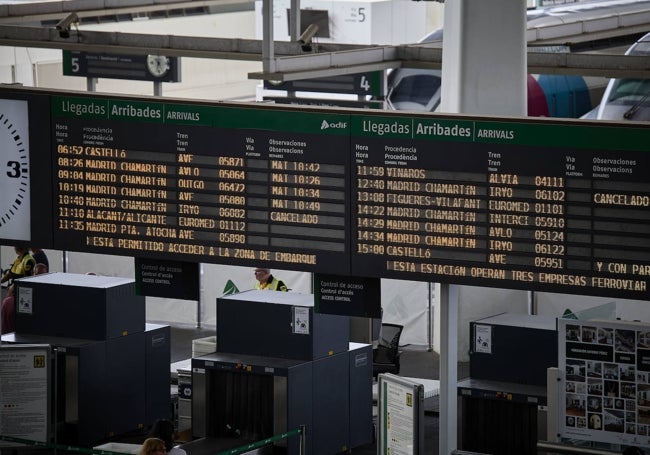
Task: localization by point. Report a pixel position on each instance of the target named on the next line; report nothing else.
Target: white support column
(552, 404)
(448, 369)
(91, 84)
(268, 51)
(294, 24)
(200, 303)
(484, 57)
(483, 73)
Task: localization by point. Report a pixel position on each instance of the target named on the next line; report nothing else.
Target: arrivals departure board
(535, 204)
(202, 183)
(527, 205)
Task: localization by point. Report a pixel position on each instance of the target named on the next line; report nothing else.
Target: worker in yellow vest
(22, 266)
(267, 282)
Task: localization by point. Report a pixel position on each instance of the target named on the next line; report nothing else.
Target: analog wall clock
(158, 65)
(14, 170)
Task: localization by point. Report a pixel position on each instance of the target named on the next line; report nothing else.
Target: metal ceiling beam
(603, 65)
(324, 64)
(597, 65)
(292, 63)
(141, 43)
(300, 74)
(570, 63)
(35, 12)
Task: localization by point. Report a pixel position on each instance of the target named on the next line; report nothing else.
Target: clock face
(14, 170)
(158, 65)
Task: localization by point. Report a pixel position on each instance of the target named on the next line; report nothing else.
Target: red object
(8, 315)
(537, 104)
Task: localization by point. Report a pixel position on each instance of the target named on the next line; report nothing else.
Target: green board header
(535, 132)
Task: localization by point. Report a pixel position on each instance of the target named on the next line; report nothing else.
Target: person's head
(164, 429)
(262, 275)
(21, 248)
(153, 446)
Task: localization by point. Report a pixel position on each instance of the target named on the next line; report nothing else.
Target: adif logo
(337, 125)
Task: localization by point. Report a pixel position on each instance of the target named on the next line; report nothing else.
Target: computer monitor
(313, 16)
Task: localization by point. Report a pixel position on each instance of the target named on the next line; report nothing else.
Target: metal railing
(555, 447)
(235, 451)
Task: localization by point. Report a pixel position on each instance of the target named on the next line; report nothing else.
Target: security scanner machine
(502, 404)
(280, 366)
(110, 370)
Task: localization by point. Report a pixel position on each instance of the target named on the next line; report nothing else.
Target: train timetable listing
(482, 204)
(204, 193)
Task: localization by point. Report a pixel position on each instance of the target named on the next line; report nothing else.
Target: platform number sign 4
(365, 84)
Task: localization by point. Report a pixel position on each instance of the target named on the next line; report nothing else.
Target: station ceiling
(28, 24)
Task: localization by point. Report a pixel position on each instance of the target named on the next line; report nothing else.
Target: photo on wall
(605, 369)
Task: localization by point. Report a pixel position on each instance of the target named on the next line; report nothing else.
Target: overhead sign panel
(509, 203)
(205, 184)
(369, 84)
(517, 204)
(157, 68)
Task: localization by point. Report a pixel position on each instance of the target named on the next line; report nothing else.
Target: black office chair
(385, 357)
